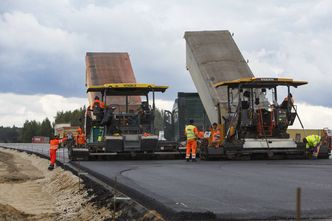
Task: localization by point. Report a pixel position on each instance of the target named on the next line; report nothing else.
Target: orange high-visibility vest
(80, 139)
(54, 144)
(216, 135)
(200, 134)
(100, 103)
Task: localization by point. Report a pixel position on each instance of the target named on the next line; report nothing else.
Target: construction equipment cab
(256, 123)
(127, 125)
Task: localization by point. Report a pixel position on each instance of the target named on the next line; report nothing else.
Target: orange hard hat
(79, 129)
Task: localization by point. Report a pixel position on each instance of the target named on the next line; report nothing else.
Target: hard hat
(79, 129)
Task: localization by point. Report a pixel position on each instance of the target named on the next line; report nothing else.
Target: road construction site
(291, 179)
(213, 190)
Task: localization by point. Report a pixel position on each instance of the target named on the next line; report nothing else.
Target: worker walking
(54, 146)
(191, 133)
(313, 143)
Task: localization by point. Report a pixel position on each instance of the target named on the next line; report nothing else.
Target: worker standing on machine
(313, 143)
(215, 135)
(98, 107)
(191, 133)
(284, 103)
(54, 146)
(98, 102)
(80, 138)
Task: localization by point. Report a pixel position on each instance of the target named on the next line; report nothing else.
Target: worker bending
(54, 146)
(191, 133)
(313, 143)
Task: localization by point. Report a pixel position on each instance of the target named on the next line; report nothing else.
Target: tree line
(46, 127)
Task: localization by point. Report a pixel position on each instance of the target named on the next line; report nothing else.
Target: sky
(43, 46)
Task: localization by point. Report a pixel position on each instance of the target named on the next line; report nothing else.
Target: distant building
(62, 129)
(40, 139)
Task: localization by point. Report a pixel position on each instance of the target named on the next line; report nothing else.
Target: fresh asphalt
(224, 189)
(229, 189)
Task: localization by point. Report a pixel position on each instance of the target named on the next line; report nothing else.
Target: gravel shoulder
(28, 191)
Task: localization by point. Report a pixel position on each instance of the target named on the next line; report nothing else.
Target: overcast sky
(43, 44)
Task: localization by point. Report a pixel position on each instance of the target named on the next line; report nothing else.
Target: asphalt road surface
(229, 189)
(225, 189)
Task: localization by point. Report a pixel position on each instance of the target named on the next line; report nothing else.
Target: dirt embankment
(28, 191)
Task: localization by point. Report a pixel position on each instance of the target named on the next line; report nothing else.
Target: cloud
(16, 109)
(313, 117)
(164, 104)
(43, 43)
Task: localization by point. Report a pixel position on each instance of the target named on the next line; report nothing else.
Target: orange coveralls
(100, 103)
(216, 137)
(54, 145)
(80, 138)
(191, 133)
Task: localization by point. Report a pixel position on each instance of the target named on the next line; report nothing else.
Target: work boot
(187, 159)
(50, 167)
(193, 160)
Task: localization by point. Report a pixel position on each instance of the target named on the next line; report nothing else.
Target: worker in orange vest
(54, 146)
(200, 133)
(80, 138)
(215, 135)
(98, 102)
(191, 133)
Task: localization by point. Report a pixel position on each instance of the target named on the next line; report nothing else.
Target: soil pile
(28, 191)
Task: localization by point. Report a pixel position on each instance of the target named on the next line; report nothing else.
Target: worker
(191, 133)
(69, 140)
(80, 138)
(54, 145)
(215, 135)
(313, 143)
(200, 134)
(98, 102)
(284, 103)
(98, 109)
(100, 136)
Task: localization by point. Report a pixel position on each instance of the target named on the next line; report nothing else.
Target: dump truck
(186, 106)
(124, 127)
(252, 124)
